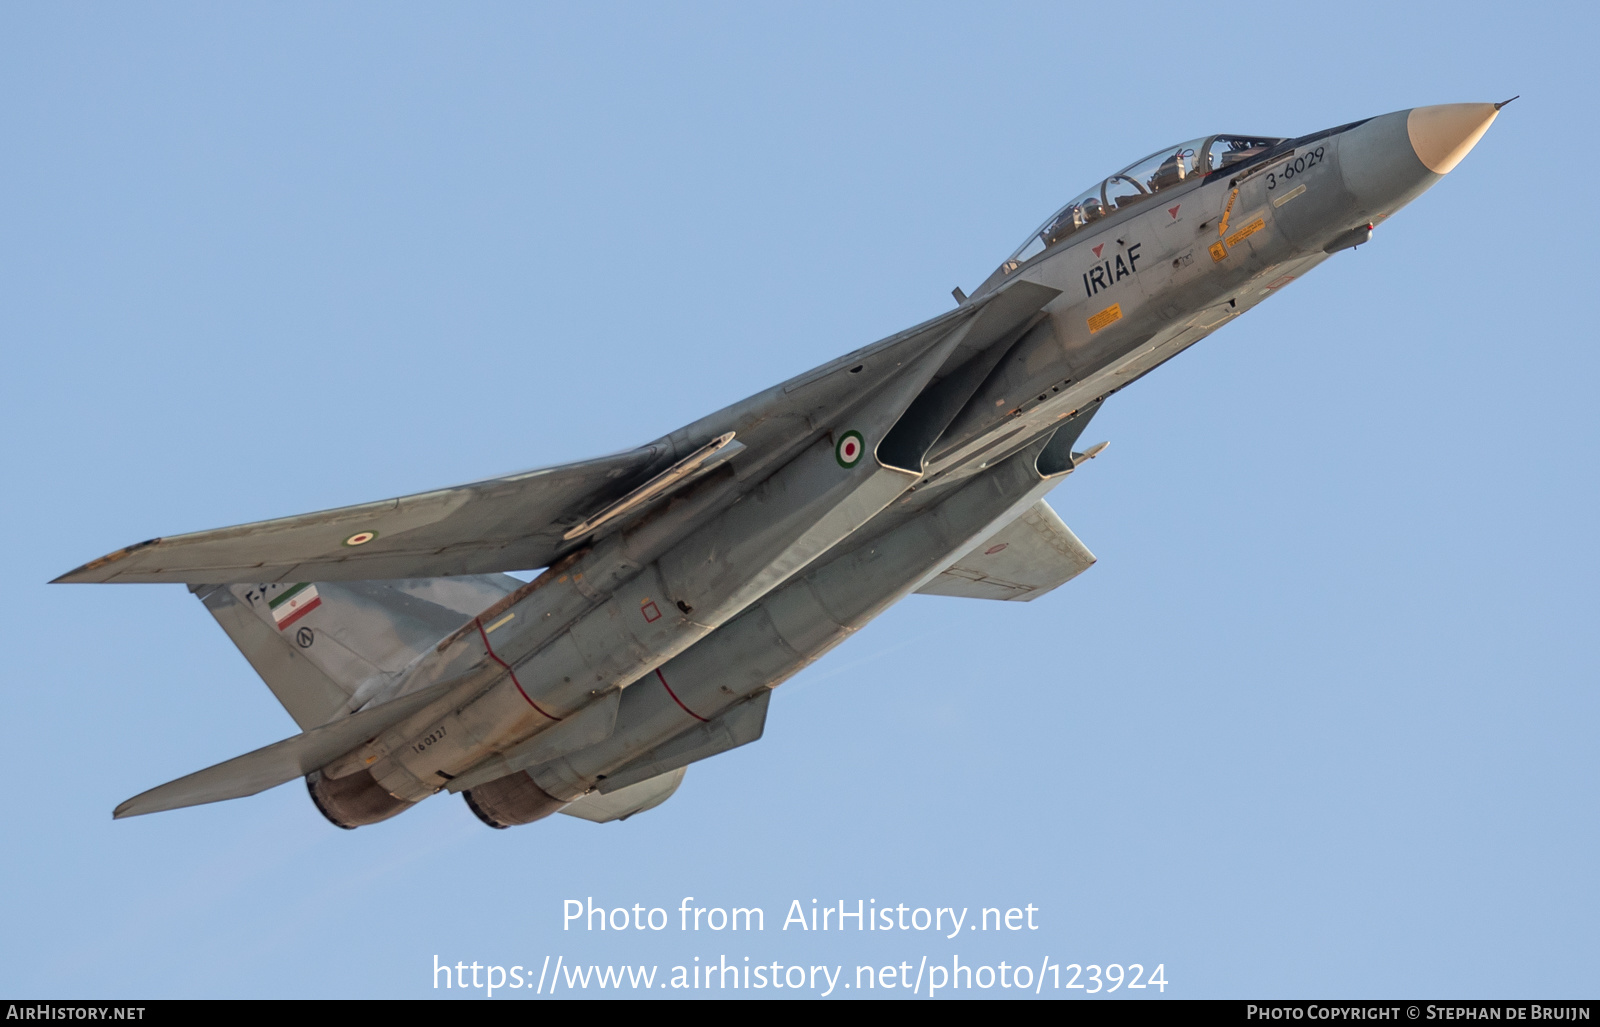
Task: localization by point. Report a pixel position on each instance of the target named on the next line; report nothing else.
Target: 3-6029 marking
(1294, 167)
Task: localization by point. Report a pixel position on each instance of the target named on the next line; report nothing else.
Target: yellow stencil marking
(499, 623)
(1227, 212)
(1218, 251)
(1105, 317)
(1246, 232)
(1291, 194)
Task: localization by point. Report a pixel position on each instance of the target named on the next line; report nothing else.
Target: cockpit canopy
(1139, 181)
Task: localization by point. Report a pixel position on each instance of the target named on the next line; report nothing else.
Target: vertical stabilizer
(316, 643)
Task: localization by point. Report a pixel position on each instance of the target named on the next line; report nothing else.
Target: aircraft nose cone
(1390, 160)
(1443, 134)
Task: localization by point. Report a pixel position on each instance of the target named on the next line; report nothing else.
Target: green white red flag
(298, 601)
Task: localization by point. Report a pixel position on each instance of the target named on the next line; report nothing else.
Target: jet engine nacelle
(354, 800)
(511, 800)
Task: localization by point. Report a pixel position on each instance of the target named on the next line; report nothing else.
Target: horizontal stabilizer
(511, 523)
(602, 808)
(1032, 555)
(740, 725)
(282, 761)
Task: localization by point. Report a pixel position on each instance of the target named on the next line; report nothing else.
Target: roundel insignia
(849, 448)
(360, 538)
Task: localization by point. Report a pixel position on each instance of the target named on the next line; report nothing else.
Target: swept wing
(527, 520)
(1032, 555)
(508, 523)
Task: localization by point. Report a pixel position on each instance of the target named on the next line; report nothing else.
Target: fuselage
(1146, 265)
(1149, 279)
(655, 644)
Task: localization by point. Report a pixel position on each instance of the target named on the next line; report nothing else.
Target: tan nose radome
(1443, 134)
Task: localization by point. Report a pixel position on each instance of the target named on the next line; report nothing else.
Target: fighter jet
(684, 580)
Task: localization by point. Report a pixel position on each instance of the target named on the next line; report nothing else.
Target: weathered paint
(686, 577)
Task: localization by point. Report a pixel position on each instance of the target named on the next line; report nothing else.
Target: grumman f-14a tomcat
(684, 580)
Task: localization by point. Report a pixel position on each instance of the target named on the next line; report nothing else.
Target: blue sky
(1319, 723)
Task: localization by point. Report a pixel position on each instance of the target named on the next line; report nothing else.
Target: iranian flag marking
(300, 600)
